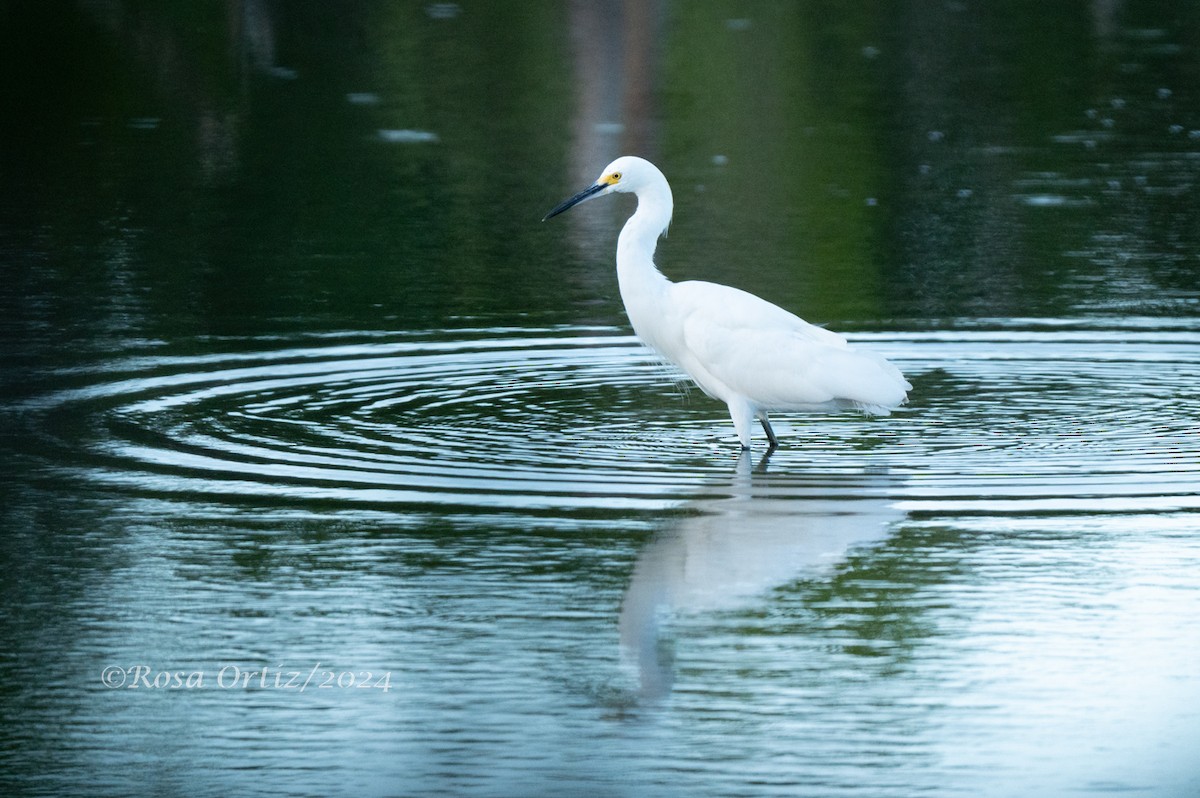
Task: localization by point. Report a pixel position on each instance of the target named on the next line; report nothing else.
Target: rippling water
(575, 582)
(326, 470)
(1006, 417)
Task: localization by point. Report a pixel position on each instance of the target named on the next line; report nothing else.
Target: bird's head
(627, 173)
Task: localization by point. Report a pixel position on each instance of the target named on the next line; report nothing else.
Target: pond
(329, 469)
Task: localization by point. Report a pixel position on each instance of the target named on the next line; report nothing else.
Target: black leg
(767, 429)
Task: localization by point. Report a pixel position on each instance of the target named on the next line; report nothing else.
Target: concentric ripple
(1012, 416)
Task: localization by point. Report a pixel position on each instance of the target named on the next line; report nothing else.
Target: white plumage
(753, 355)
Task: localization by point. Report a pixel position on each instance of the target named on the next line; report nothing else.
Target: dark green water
(329, 469)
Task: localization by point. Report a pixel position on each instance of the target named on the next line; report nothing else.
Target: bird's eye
(615, 176)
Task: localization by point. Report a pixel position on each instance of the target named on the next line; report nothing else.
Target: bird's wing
(757, 350)
(743, 310)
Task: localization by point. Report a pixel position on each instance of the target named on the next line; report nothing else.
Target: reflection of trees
(616, 54)
(200, 57)
(876, 160)
(616, 49)
(850, 163)
(125, 111)
(992, 106)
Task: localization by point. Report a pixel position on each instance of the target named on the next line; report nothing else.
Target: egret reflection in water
(757, 532)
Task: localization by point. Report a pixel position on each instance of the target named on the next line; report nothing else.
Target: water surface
(328, 470)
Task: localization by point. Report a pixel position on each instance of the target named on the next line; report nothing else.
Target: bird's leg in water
(767, 429)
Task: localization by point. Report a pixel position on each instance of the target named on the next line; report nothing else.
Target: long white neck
(642, 285)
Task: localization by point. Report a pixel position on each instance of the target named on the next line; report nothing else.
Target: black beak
(582, 196)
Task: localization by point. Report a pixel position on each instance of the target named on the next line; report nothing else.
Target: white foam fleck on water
(406, 136)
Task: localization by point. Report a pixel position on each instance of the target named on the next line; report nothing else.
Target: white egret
(749, 353)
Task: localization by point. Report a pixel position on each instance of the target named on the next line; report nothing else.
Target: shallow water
(554, 420)
(328, 470)
(546, 588)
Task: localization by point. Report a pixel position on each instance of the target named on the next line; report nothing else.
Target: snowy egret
(749, 353)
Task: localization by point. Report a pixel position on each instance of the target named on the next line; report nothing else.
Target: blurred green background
(180, 169)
